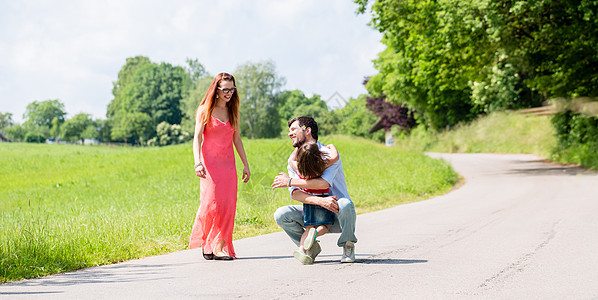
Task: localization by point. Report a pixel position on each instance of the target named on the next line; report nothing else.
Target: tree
(356, 119)
(258, 85)
(434, 49)
(390, 114)
(451, 60)
(132, 127)
(16, 132)
(291, 100)
(55, 129)
(192, 100)
(555, 43)
(195, 70)
(5, 120)
(104, 130)
(295, 103)
(147, 88)
(123, 86)
(41, 113)
(91, 133)
(72, 129)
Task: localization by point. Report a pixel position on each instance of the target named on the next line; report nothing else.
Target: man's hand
(280, 181)
(330, 203)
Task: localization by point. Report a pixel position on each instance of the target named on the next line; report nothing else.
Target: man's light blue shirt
(334, 175)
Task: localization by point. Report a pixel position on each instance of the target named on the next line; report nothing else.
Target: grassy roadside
(499, 132)
(68, 207)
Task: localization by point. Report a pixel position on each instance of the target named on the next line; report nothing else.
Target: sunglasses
(227, 91)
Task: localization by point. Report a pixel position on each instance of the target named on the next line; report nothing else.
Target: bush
(168, 135)
(577, 139)
(35, 137)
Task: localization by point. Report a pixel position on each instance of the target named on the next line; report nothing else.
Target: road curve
(518, 228)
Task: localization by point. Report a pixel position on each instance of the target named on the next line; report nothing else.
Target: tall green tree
(73, 128)
(153, 90)
(131, 127)
(193, 99)
(356, 119)
(55, 130)
(123, 86)
(6, 120)
(290, 101)
(258, 85)
(41, 113)
(434, 49)
(450, 60)
(295, 103)
(16, 132)
(554, 42)
(195, 69)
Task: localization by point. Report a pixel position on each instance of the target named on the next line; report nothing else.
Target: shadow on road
(543, 167)
(264, 257)
(335, 259)
(375, 261)
(28, 293)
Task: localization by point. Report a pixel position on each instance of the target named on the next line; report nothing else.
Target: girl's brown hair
(209, 101)
(310, 163)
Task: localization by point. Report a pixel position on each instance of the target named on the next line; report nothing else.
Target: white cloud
(73, 50)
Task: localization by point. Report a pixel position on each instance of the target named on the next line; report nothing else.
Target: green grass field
(67, 207)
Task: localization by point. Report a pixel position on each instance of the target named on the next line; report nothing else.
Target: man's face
(297, 134)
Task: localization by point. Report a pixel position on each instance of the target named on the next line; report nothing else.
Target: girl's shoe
(310, 239)
(303, 258)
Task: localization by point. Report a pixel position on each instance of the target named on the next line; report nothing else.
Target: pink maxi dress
(215, 218)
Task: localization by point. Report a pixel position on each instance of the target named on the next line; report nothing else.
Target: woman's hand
(246, 174)
(200, 170)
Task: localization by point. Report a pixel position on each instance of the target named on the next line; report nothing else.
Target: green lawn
(65, 207)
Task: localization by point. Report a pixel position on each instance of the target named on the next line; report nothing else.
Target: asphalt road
(517, 229)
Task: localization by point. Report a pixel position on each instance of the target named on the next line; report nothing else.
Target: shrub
(577, 139)
(167, 134)
(34, 137)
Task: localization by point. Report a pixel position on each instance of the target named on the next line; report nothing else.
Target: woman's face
(226, 90)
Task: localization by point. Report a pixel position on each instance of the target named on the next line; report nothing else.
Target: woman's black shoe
(209, 256)
(225, 257)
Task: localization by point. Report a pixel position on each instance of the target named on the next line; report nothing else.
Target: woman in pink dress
(216, 130)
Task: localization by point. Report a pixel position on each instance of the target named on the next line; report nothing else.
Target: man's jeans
(290, 219)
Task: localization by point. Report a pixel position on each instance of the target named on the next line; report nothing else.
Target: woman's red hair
(209, 101)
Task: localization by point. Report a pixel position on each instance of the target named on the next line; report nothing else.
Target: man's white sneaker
(303, 258)
(314, 250)
(348, 253)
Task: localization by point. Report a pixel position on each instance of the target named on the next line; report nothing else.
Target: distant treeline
(155, 103)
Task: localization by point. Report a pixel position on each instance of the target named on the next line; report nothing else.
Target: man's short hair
(308, 122)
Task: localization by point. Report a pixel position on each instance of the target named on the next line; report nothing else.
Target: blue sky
(73, 50)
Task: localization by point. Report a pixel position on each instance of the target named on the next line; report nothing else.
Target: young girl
(310, 163)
